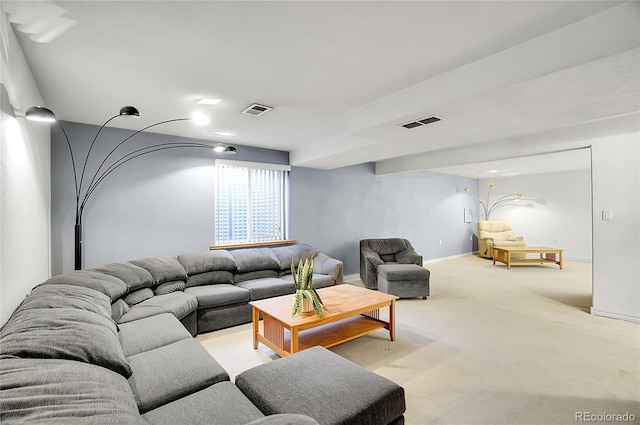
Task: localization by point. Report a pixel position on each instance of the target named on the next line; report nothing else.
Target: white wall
(616, 243)
(555, 211)
(25, 195)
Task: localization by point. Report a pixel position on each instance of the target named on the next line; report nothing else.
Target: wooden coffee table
(547, 255)
(350, 312)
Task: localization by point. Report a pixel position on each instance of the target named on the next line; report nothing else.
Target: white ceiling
(508, 78)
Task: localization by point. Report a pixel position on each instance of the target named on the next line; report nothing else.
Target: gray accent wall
(333, 210)
(158, 204)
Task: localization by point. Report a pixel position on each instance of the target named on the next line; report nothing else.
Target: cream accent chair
(499, 234)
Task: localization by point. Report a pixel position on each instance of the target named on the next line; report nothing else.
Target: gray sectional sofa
(113, 345)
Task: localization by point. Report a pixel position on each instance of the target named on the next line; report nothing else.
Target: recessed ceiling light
(209, 101)
(200, 118)
(493, 171)
(224, 133)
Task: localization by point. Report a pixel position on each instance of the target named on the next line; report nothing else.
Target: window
(250, 202)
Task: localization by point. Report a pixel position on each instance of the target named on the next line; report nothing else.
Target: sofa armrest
(323, 264)
(515, 238)
(485, 235)
(284, 419)
(372, 257)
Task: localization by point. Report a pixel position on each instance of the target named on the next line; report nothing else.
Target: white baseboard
(577, 260)
(615, 315)
(348, 277)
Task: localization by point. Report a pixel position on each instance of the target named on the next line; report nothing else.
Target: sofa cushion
(135, 277)
(118, 309)
(267, 288)
(222, 403)
(258, 274)
(318, 280)
(111, 286)
(207, 261)
(212, 296)
(356, 395)
(403, 272)
(47, 391)
(64, 333)
(138, 296)
(252, 259)
(293, 253)
(179, 304)
(163, 269)
(185, 364)
(150, 333)
(168, 287)
(68, 296)
(209, 278)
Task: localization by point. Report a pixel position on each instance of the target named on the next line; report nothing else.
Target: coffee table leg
(392, 320)
(560, 264)
(294, 341)
(254, 318)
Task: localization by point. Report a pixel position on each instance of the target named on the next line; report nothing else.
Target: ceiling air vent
(257, 109)
(423, 121)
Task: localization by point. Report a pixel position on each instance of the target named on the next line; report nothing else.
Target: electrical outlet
(440, 241)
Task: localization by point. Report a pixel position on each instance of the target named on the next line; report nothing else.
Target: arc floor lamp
(110, 162)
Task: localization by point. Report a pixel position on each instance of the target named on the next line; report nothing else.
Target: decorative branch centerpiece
(306, 298)
(487, 207)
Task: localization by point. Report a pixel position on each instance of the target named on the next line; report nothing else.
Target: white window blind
(250, 202)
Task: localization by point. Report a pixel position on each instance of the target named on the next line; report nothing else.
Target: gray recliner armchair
(375, 252)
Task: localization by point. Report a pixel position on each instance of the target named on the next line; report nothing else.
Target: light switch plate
(607, 215)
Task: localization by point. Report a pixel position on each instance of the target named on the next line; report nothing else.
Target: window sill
(253, 244)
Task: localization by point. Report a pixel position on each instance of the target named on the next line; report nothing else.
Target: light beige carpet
(492, 346)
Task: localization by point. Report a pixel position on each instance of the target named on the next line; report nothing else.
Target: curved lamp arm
(95, 175)
(73, 163)
(86, 158)
(135, 154)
